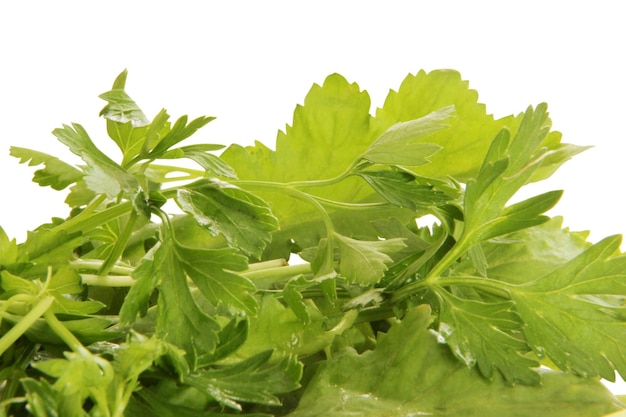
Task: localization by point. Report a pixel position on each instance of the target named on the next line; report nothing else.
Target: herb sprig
(134, 306)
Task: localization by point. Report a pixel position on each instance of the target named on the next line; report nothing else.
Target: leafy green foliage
(123, 308)
(409, 373)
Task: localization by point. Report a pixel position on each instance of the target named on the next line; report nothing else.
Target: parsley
(167, 290)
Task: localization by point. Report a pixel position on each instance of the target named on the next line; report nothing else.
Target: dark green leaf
(180, 320)
(254, 380)
(242, 218)
(212, 272)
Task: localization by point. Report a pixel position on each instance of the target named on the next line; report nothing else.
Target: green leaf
(121, 108)
(78, 377)
(231, 337)
(365, 262)
(534, 252)
(405, 190)
(241, 217)
(200, 154)
(212, 272)
(292, 294)
(179, 132)
(180, 320)
(277, 327)
(137, 300)
(254, 380)
(487, 335)
(465, 142)
(409, 373)
(333, 129)
(403, 143)
(55, 173)
(575, 314)
(508, 166)
(8, 250)
(103, 175)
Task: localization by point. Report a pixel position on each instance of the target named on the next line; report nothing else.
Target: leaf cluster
(171, 288)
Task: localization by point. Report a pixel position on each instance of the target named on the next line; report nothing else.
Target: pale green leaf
(55, 173)
(487, 335)
(575, 314)
(365, 262)
(404, 143)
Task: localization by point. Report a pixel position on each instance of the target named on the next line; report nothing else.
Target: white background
(249, 63)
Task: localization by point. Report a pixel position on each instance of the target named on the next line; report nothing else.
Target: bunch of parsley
(167, 290)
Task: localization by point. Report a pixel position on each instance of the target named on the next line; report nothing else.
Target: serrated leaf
(404, 143)
(231, 337)
(180, 320)
(137, 300)
(200, 154)
(365, 262)
(567, 316)
(180, 131)
(8, 250)
(103, 175)
(328, 133)
(56, 173)
(223, 209)
(403, 189)
(534, 252)
(410, 374)
(252, 380)
(487, 335)
(465, 142)
(292, 294)
(508, 165)
(212, 270)
(121, 108)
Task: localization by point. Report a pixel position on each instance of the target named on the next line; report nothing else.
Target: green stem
(70, 224)
(64, 334)
(107, 280)
(266, 278)
(25, 323)
(324, 183)
(292, 192)
(85, 222)
(120, 244)
(96, 264)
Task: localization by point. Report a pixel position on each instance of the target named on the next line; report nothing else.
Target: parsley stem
(292, 192)
(267, 278)
(107, 280)
(87, 220)
(120, 244)
(25, 323)
(64, 334)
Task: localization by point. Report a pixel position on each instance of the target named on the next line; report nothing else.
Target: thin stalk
(25, 323)
(85, 214)
(266, 278)
(120, 244)
(91, 221)
(107, 280)
(323, 183)
(292, 192)
(96, 264)
(64, 334)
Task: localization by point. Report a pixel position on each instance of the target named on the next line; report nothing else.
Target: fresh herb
(167, 290)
